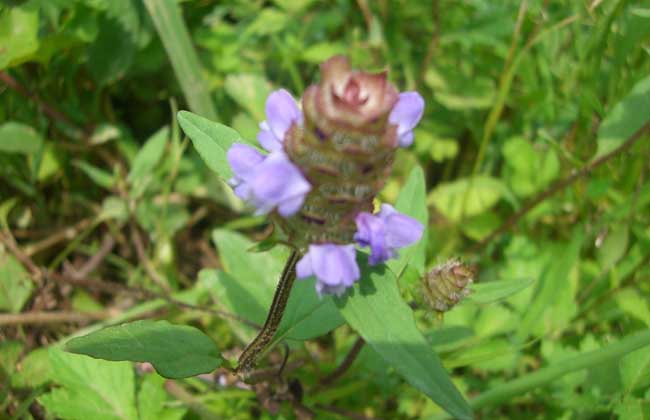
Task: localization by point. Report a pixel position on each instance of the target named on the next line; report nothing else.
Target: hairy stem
(280, 298)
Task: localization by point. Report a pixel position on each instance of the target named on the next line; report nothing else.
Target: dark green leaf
(375, 309)
(175, 351)
(494, 291)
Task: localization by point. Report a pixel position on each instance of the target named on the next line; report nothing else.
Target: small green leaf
(15, 283)
(16, 137)
(495, 291)
(175, 351)
(466, 197)
(98, 176)
(212, 140)
(375, 309)
(412, 202)
(627, 117)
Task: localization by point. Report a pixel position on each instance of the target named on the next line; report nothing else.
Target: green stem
(276, 311)
(548, 374)
(167, 18)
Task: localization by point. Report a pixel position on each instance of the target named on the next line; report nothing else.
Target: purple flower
(267, 181)
(385, 232)
(281, 113)
(334, 266)
(405, 115)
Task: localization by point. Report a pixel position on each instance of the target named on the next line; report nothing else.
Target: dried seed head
(447, 284)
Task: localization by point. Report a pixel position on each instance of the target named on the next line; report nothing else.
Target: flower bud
(447, 284)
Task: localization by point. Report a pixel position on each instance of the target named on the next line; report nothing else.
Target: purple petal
(407, 112)
(401, 230)
(406, 139)
(334, 266)
(278, 182)
(371, 231)
(243, 159)
(281, 112)
(304, 268)
(267, 139)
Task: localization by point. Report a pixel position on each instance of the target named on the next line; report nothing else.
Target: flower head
(349, 98)
(334, 266)
(447, 284)
(405, 115)
(386, 232)
(281, 113)
(268, 182)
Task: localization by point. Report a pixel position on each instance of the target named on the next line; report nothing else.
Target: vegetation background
(536, 151)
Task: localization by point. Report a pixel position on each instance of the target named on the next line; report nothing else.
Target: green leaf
(147, 158)
(98, 176)
(375, 309)
(635, 369)
(527, 169)
(320, 52)
(626, 118)
(35, 370)
(212, 140)
(15, 284)
(495, 291)
(466, 197)
(614, 247)
(412, 202)
(18, 34)
(16, 137)
(175, 351)
(91, 389)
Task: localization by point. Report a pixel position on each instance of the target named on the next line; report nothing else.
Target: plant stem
(167, 18)
(259, 344)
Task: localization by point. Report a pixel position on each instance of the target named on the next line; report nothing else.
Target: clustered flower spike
(326, 164)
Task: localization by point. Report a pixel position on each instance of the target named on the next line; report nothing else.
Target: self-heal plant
(326, 167)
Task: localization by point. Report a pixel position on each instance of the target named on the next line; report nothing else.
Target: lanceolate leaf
(175, 351)
(375, 309)
(625, 118)
(212, 140)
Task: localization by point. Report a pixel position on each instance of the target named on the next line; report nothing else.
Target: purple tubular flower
(281, 113)
(268, 182)
(385, 232)
(405, 115)
(334, 266)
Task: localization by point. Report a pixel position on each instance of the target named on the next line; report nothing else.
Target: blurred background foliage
(108, 214)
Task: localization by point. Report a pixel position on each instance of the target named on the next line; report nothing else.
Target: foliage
(120, 239)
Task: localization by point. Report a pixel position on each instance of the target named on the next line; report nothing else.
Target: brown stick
(560, 185)
(50, 317)
(345, 364)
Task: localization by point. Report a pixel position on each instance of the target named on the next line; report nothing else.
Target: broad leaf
(412, 202)
(91, 389)
(18, 34)
(625, 118)
(375, 309)
(175, 351)
(212, 140)
(635, 369)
